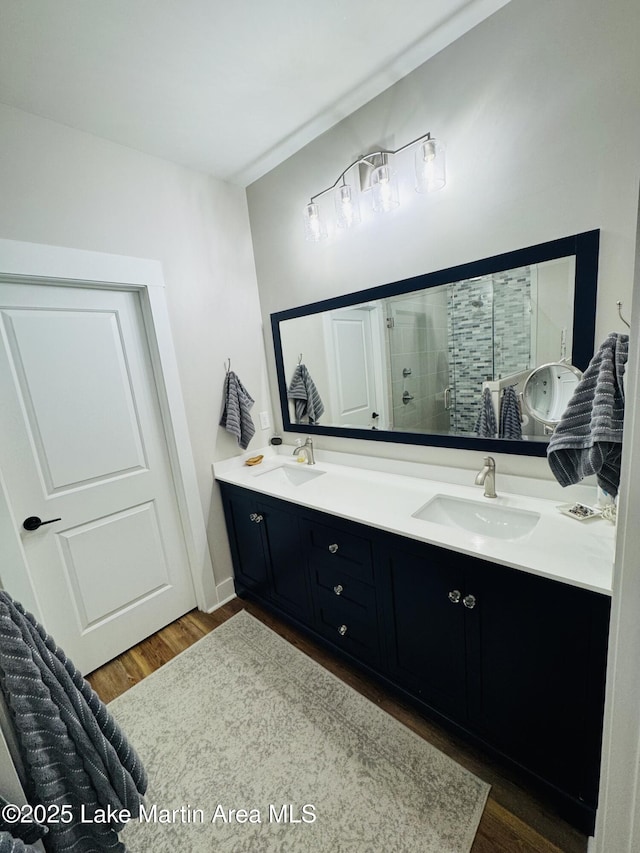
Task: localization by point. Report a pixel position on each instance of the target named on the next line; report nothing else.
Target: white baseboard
(226, 592)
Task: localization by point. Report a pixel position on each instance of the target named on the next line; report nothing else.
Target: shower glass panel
(418, 360)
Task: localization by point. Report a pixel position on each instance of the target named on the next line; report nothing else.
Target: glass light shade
(347, 206)
(384, 189)
(430, 166)
(314, 227)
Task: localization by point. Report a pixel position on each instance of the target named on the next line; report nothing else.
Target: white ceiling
(229, 88)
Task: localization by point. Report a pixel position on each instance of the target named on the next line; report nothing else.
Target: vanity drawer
(331, 546)
(348, 625)
(331, 581)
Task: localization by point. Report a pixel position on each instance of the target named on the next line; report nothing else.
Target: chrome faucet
(307, 448)
(487, 477)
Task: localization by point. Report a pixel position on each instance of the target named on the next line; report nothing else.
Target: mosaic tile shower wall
(489, 336)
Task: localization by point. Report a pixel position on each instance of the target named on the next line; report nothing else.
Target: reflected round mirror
(548, 389)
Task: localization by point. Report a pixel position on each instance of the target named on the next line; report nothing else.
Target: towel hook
(227, 366)
(619, 304)
(300, 359)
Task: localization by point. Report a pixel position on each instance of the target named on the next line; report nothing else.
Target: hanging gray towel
(74, 752)
(510, 422)
(17, 836)
(236, 405)
(303, 392)
(486, 425)
(9, 844)
(588, 439)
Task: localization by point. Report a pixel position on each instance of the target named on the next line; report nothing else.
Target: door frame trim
(28, 263)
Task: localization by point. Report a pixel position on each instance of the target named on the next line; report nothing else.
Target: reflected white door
(352, 358)
(83, 442)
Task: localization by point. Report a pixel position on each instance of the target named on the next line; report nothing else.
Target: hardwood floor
(514, 820)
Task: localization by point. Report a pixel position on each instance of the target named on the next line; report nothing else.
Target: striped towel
(237, 403)
(74, 752)
(486, 425)
(588, 439)
(18, 837)
(510, 420)
(304, 393)
(9, 844)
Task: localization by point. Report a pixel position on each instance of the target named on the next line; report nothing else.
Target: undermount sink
(487, 519)
(288, 474)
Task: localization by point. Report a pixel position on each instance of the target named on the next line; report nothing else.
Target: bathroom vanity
(500, 633)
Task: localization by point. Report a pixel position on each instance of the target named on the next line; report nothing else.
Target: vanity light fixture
(376, 174)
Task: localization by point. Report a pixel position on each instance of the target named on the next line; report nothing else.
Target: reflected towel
(588, 439)
(304, 393)
(237, 403)
(486, 425)
(510, 417)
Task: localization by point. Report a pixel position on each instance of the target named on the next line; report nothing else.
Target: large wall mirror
(441, 358)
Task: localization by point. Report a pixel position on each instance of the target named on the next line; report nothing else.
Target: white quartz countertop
(579, 553)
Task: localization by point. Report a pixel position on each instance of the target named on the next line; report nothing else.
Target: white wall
(66, 188)
(539, 107)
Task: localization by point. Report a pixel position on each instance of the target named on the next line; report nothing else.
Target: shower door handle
(447, 398)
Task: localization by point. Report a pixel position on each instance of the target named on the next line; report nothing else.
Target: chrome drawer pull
(333, 549)
(342, 630)
(469, 601)
(455, 595)
(338, 589)
(255, 517)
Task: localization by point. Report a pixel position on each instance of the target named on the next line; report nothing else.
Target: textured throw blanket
(588, 439)
(486, 425)
(303, 392)
(74, 753)
(237, 403)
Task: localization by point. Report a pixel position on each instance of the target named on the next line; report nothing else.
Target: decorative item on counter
(254, 460)
(275, 440)
(581, 512)
(237, 403)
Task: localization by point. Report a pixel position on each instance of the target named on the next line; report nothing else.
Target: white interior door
(83, 442)
(351, 366)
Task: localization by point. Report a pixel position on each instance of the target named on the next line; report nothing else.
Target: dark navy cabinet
(425, 626)
(512, 661)
(266, 551)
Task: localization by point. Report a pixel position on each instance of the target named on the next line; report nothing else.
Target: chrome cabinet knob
(338, 589)
(256, 517)
(469, 601)
(333, 548)
(342, 630)
(455, 595)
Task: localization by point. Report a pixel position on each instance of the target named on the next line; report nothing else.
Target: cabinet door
(245, 538)
(536, 678)
(288, 586)
(426, 625)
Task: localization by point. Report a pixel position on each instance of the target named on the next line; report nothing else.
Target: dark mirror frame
(584, 246)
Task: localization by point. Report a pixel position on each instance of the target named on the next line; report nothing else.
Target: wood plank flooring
(514, 821)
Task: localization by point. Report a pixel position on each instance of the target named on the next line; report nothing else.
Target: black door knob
(33, 522)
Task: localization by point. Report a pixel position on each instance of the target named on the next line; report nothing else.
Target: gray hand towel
(74, 752)
(510, 422)
(303, 392)
(486, 425)
(237, 403)
(588, 439)
(9, 844)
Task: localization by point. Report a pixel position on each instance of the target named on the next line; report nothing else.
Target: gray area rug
(243, 720)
